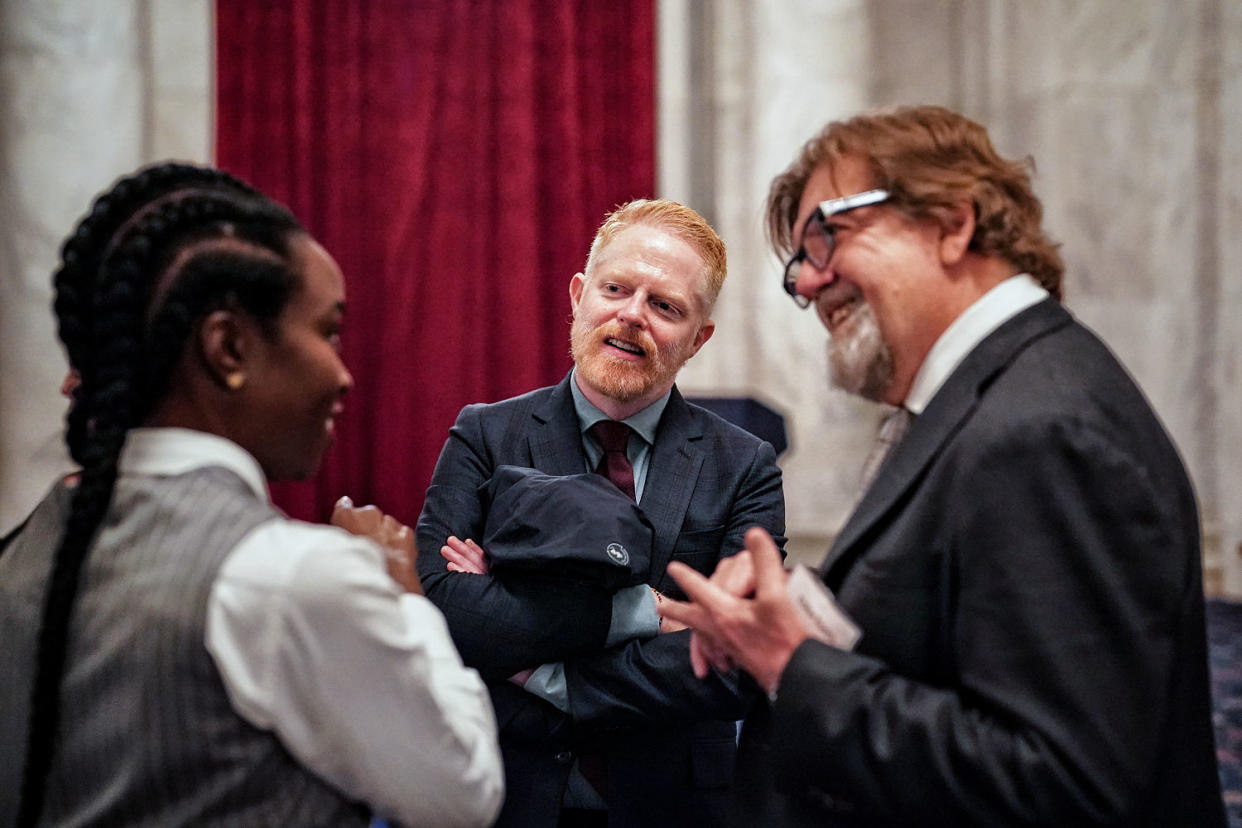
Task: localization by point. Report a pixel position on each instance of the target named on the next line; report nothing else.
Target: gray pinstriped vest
(147, 734)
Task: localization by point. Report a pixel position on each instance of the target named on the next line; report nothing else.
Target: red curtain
(455, 156)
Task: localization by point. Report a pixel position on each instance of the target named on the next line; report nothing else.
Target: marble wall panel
(1131, 110)
(78, 101)
(754, 98)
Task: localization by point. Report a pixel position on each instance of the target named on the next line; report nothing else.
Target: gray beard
(861, 363)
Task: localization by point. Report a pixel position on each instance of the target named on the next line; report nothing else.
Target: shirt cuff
(548, 683)
(633, 615)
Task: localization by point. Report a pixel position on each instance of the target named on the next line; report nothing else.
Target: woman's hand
(396, 539)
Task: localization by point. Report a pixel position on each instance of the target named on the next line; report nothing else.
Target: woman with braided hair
(176, 651)
(79, 257)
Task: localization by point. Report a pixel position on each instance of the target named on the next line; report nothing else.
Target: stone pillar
(89, 90)
(742, 85)
(1131, 110)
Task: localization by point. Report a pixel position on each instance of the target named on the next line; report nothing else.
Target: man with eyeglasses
(608, 726)
(1024, 567)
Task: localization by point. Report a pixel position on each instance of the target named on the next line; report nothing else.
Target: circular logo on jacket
(617, 552)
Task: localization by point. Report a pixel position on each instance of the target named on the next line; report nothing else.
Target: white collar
(986, 314)
(169, 451)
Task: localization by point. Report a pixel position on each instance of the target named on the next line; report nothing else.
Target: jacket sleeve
(1071, 577)
(650, 682)
(500, 626)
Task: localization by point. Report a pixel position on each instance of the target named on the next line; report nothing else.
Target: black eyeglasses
(819, 240)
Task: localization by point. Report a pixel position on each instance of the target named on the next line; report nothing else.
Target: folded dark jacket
(577, 526)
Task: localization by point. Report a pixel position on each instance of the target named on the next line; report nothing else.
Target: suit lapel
(554, 439)
(948, 410)
(671, 477)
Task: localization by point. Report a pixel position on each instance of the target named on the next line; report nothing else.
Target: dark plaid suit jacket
(668, 738)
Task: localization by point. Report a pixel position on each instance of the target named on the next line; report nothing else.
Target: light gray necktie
(891, 431)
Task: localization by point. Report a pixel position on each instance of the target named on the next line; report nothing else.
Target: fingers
(365, 520)
(697, 588)
(396, 539)
(400, 566)
(389, 530)
(371, 522)
(769, 572)
(464, 556)
(682, 612)
(736, 574)
(700, 650)
(705, 653)
(404, 540)
(699, 661)
(473, 551)
(698, 658)
(688, 614)
(395, 535)
(668, 625)
(456, 563)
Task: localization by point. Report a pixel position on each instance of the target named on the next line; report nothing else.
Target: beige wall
(89, 89)
(1132, 110)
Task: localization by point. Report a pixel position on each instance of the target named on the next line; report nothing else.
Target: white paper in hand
(821, 615)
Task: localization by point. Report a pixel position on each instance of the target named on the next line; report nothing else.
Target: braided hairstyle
(83, 251)
(157, 252)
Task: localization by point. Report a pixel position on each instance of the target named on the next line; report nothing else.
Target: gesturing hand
(392, 535)
(736, 576)
(758, 633)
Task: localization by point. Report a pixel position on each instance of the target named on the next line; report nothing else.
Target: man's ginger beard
(620, 379)
(859, 360)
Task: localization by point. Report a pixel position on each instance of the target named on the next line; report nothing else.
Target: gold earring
(235, 380)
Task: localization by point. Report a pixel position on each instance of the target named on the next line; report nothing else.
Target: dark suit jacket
(1026, 571)
(667, 737)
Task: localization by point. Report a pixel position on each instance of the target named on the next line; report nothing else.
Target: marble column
(1131, 110)
(741, 86)
(89, 90)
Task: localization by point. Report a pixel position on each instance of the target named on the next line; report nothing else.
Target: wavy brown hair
(929, 158)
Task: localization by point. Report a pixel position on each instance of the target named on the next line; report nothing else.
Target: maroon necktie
(614, 437)
(614, 465)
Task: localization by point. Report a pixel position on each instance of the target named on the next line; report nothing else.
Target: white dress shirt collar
(989, 312)
(169, 451)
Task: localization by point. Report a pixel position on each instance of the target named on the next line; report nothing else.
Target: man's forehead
(646, 245)
(640, 235)
(836, 178)
(833, 178)
(675, 265)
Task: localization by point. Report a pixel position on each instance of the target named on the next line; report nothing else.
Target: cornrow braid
(83, 250)
(173, 258)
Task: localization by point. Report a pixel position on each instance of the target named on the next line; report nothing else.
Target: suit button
(563, 757)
